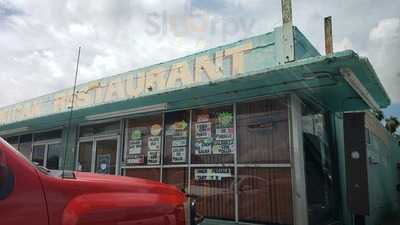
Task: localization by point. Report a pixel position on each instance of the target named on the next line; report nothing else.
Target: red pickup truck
(36, 196)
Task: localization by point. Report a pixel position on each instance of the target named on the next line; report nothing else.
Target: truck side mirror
(6, 178)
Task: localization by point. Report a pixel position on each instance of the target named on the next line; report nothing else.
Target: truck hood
(91, 182)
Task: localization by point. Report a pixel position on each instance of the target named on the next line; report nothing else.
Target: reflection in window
(54, 156)
(213, 135)
(144, 140)
(263, 131)
(318, 166)
(265, 195)
(214, 190)
(38, 154)
(147, 173)
(25, 145)
(85, 156)
(177, 177)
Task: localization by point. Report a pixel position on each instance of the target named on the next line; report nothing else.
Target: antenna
(71, 110)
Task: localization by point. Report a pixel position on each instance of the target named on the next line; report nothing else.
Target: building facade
(254, 137)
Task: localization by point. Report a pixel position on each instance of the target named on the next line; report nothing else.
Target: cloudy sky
(39, 39)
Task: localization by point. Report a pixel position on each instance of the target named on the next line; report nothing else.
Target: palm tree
(392, 123)
(379, 115)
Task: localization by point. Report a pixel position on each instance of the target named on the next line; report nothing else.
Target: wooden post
(328, 36)
(287, 31)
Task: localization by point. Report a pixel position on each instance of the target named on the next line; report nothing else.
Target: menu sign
(153, 157)
(154, 142)
(224, 134)
(135, 146)
(223, 147)
(136, 159)
(179, 154)
(211, 174)
(203, 130)
(203, 146)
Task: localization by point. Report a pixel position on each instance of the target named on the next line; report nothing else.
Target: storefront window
(25, 145)
(13, 141)
(54, 156)
(100, 129)
(85, 156)
(38, 154)
(176, 145)
(263, 131)
(318, 166)
(212, 136)
(214, 190)
(264, 173)
(265, 195)
(145, 173)
(144, 141)
(177, 177)
(56, 134)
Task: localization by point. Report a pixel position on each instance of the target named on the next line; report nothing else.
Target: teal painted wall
(383, 174)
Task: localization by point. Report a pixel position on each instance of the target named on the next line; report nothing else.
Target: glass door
(106, 156)
(99, 155)
(85, 155)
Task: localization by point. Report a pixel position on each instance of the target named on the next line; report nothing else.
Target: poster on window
(154, 142)
(179, 154)
(203, 130)
(136, 159)
(179, 142)
(211, 174)
(135, 147)
(103, 163)
(223, 147)
(224, 134)
(203, 146)
(153, 157)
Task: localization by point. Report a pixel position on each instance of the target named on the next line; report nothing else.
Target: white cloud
(387, 29)
(343, 44)
(39, 39)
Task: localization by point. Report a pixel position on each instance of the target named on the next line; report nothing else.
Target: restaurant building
(261, 131)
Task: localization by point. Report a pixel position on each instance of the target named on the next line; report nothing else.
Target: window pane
(38, 154)
(263, 131)
(106, 156)
(55, 134)
(319, 171)
(214, 191)
(54, 157)
(176, 137)
(148, 173)
(25, 146)
(144, 140)
(85, 157)
(212, 135)
(176, 176)
(265, 195)
(100, 129)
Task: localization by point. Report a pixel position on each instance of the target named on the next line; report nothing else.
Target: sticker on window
(154, 142)
(203, 130)
(178, 154)
(153, 157)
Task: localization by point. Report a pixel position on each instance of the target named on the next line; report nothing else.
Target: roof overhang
(340, 82)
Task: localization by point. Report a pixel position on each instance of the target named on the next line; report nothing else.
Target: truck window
(6, 177)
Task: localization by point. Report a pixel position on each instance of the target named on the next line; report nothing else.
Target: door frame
(46, 144)
(94, 140)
